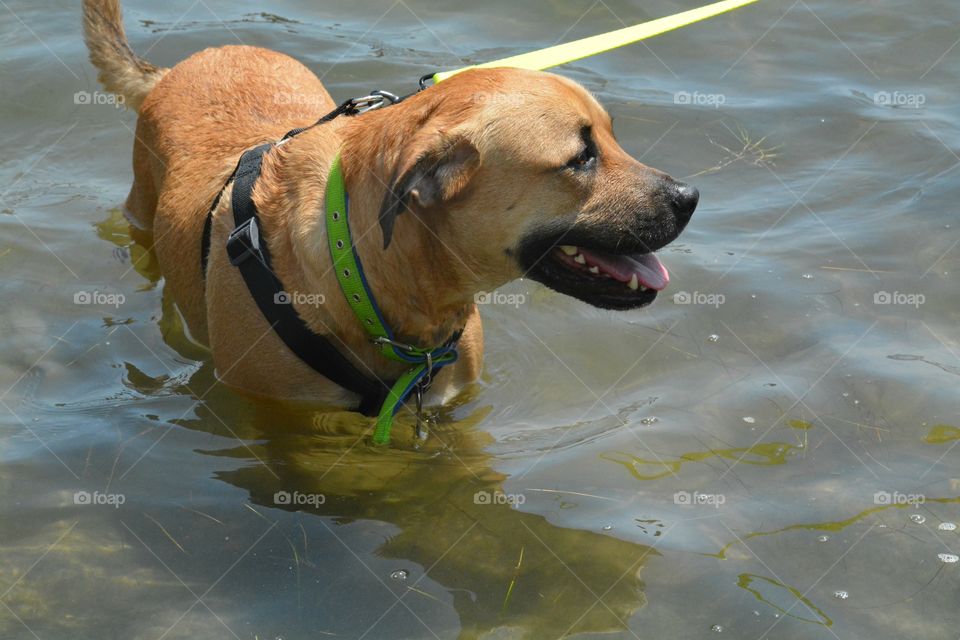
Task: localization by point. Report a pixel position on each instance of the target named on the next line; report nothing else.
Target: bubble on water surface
(608, 527)
(649, 420)
(400, 574)
(823, 538)
(717, 628)
(807, 276)
(749, 419)
(917, 518)
(948, 558)
(841, 595)
(947, 526)
(713, 338)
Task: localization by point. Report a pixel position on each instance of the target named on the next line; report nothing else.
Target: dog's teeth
(594, 270)
(634, 283)
(579, 259)
(569, 250)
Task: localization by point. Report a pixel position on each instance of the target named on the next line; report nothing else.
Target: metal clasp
(375, 100)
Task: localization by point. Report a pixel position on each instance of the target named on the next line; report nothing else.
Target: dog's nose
(684, 199)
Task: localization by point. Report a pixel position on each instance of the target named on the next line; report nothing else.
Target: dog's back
(194, 122)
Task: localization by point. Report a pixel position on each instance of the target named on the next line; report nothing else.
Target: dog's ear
(434, 176)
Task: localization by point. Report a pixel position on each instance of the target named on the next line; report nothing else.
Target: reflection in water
(502, 567)
(143, 260)
(944, 367)
(834, 527)
(782, 598)
(942, 433)
(764, 454)
(137, 243)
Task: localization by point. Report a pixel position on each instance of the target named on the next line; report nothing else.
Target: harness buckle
(243, 242)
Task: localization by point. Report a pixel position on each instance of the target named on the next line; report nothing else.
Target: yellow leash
(579, 49)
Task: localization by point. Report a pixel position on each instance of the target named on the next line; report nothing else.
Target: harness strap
(208, 225)
(350, 107)
(249, 253)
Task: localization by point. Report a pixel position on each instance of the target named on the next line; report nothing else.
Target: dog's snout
(684, 199)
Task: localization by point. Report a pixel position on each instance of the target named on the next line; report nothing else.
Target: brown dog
(461, 188)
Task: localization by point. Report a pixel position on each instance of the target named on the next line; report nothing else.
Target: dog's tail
(121, 71)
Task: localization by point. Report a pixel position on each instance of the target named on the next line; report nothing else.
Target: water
(138, 499)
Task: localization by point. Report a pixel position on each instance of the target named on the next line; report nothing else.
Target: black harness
(248, 252)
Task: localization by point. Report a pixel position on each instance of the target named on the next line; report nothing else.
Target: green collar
(346, 263)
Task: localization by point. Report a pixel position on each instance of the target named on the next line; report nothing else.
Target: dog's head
(518, 173)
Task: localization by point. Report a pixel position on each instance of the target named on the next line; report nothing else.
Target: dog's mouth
(606, 279)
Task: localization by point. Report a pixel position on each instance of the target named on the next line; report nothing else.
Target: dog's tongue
(647, 267)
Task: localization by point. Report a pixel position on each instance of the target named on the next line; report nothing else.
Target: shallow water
(774, 459)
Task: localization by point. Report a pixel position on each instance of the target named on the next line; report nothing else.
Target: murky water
(771, 454)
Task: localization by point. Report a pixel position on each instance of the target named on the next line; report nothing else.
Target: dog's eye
(584, 160)
(587, 158)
